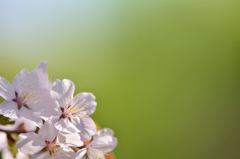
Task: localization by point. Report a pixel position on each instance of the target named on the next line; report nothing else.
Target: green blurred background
(165, 73)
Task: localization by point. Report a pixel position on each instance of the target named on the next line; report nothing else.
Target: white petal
(43, 79)
(63, 91)
(102, 140)
(86, 126)
(42, 66)
(66, 126)
(86, 101)
(30, 126)
(3, 141)
(70, 139)
(9, 109)
(64, 153)
(81, 153)
(45, 108)
(29, 85)
(41, 155)
(105, 143)
(105, 131)
(95, 154)
(19, 79)
(30, 143)
(6, 90)
(48, 131)
(28, 114)
(34, 87)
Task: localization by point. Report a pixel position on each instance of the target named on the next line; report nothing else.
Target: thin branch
(14, 131)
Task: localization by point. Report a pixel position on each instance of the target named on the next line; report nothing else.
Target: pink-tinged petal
(70, 139)
(42, 66)
(44, 81)
(34, 88)
(30, 143)
(9, 109)
(41, 155)
(43, 76)
(62, 91)
(28, 114)
(81, 154)
(38, 82)
(48, 131)
(86, 126)
(105, 143)
(6, 90)
(66, 126)
(64, 153)
(19, 79)
(29, 91)
(37, 96)
(101, 140)
(45, 108)
(85, 103)
(105, 131)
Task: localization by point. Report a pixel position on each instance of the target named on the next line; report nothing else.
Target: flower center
(21, 100)
(69, 111)
(27, 93)
(51, 147)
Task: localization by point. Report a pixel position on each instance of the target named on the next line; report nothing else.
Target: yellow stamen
(75, 109)
(28, 95)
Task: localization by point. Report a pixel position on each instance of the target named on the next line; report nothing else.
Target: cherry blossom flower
(27, 89)
(75, 111)
(49, 143)
(103, 142)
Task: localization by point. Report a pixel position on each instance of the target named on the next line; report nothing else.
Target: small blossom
(75, 111)
(48, 143)
(103, 142)
(27, 89)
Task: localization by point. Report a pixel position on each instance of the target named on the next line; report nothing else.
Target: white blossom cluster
(62, 120)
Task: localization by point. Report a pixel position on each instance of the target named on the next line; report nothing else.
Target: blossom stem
(15, 131)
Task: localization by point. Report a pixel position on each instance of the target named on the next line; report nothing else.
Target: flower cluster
(62, 122)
